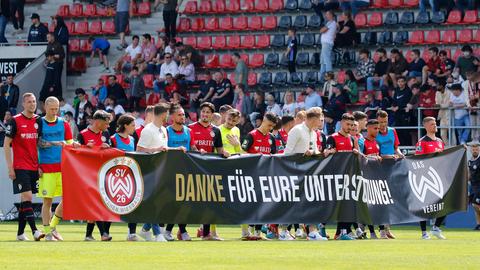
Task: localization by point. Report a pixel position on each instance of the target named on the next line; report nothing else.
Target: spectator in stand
(241, 101)
(174, 92)
(68, 117)
(398, 66)
(433, 4)
(241, 70)
(373, 105)
(38, 31)
(350, 87)
(319, 6)
(334, 110)
(136, 90)
(470, 88)
(291, 52)
(100, 91)
(290, 107)
(223, 92)
(101, 46)
(149, 51)
(347, 31)
(401, 97)
(446, 67)
(467, 62)
(272, 106)
(416, 66)
(442, 101)
(191, 52)
(55, 48)
(10, 92)
(354, 5)
(122, 17)
(186, 71)
(365, 67)
(4, 17)
(433, 64)
(112, 105)
(132, 54)
(168, 67)
(3, 125)
(259, 106)
(116, 90)
(171, 48)
(327, 40)
(411, 109)
(83, 109)
(387, 102)
(427, 98)
(245, 126)
(380, 70)
(18, 18)
(52, 82)
(65, 107)
(326, 91)
(313, 99)
(461, 118)
(205, 91)
(60, 32)
(170, 12)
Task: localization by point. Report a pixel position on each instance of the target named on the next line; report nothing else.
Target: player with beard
(208, 140)
(21, 138)
(426, 145)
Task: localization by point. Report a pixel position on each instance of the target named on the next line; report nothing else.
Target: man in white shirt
(111, 104)
(272, 106)
(132, 53)
(169, 66)
(461, 117)
(327, 40)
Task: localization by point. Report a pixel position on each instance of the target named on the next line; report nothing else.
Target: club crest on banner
(120, 185)
(432, 183)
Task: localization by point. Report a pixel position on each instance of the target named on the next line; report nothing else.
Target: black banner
(12, 66)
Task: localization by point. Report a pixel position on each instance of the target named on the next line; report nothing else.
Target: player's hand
(233, 140)
(355, 151)
(308, 153)
(104, 146)
(400, 156)
(226, 154)
(40, 172)
(11, 173)
(90, 144)
(162, 149)
(75, 145)
(203, 152)
(183, 149)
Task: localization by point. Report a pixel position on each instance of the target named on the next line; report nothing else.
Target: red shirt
(434, 64)
(258, 143)
(206, 138)
(139, 130)
(427, 145)
(427, 100)
(24, 134)
(87, 136)
(340, 142)
(371, 147)
(284, 135)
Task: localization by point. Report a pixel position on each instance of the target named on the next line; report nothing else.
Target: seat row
(94, 28)
(78, 10)
(232, 6)
(228, 42)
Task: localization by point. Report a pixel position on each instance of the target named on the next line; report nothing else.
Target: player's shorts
(50, 185)
(25, 180)
(474, 196)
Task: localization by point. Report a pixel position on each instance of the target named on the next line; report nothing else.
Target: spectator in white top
(461, 118)
(186, 70)
(169, 66)
(327, 39)
(132, 53)
(272, 106)
(290, 107)
(111, 104)
(65, 107)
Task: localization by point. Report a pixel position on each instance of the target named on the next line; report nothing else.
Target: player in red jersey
(428, 144)
(96, 136)
(21, 136)
(207, 139)
(280, 142)
(288, 122)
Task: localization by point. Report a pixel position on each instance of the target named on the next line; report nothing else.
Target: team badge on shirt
(212, 134)
(104, 139)
(35, 126)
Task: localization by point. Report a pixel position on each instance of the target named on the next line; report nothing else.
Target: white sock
(343, 231)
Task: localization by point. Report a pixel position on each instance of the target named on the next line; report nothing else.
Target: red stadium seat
(144, 9)
(465, 36)
(471, 17)
(211, 24)
(263, 41)
(197, 24)
(276, 5)
(80, 64)
(183, 25)
(476, 38)
(74, 45)
(219, 42)
(262, 6)
(457, 54)
(240, 23)
(233, 42)
(218, 7)
(134, 9)
(395, 3)
(81, 28)
(341, 77)
(108, 28)
(433, 37)
(192, 41)
(191, 7)
(212, 61)
(63, 11)
(102, 12)
(255, 23)
(408, 56)
(252, 79)
(361, 20)
(247, 42)
(416, 37)
(95, 28)
(205, 7)
(76, 10)
(148, 79)
(379, 3)
(233, 6)
(270, 23)
(247, 5)
(70, 27)
(425, 55)
(90, 10)
(410, 3)
(245, 57)
(449, 36)
(376, 19)
(226, 23)
(257, 60)
(476, 52)
(204, 42)
(226, 61)
(455, 17)
(121, 80)
(85, 46)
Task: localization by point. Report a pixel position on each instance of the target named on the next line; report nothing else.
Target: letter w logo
(433, 183)
(115, 185)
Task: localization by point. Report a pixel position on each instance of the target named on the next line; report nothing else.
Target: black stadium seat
(300, 22)
(407, 18)
(391, 18)
(280, 79)
(285, 22)
(423, 18)
(278, 41)
(265, 79)
(315, 21)
(318, 40)
(291, 5)
(438, 17)
(303, 4)
(315, 60)
(370, 38)
(296, 78)
(310, 77)
(272, 60)
(307, 40)
(284, 61)
(401, 38)
(302, 59)
(386, 38)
